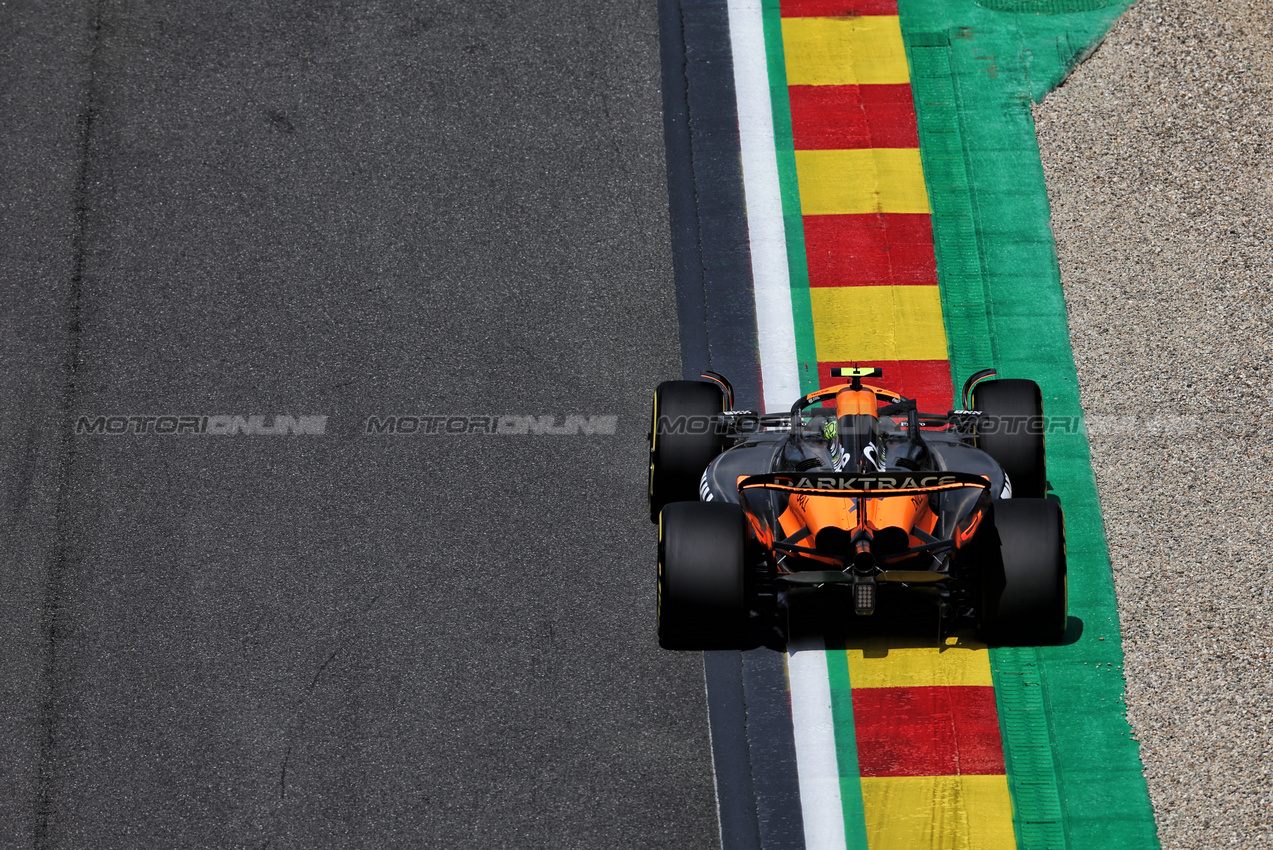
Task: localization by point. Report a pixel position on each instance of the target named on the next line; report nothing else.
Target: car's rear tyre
(1023, 593)
(1011, 432)
(683, 440)
(702, 595)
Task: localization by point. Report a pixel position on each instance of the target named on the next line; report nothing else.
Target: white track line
(816, 765)
(812, 720)
(775, 329)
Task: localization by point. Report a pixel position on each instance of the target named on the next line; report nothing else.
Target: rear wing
(971, 495)
(877, 484)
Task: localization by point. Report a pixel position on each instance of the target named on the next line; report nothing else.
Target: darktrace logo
(866, 483)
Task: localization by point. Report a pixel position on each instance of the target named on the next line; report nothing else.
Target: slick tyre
(682, 440)
(702, 597)
(1023, 593)
(1011, 431)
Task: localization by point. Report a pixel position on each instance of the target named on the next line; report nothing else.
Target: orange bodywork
(818, 512)
(827, 392)
(860, 501)
(851, 402)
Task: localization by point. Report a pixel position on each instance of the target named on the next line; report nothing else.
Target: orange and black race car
(854, 490)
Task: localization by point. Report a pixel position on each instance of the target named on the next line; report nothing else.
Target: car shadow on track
(907, 621)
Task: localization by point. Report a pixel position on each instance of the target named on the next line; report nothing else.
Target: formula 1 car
(853, 490)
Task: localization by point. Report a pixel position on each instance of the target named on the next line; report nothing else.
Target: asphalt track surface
(343, 209)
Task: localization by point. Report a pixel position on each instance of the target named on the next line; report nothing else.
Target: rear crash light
(864, 596)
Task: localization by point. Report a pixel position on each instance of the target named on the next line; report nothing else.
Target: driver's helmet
(853, 438)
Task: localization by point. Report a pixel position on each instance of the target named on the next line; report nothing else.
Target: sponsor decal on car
(881, 482)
